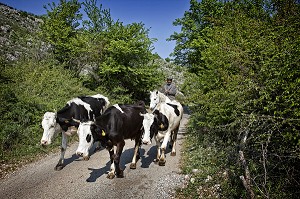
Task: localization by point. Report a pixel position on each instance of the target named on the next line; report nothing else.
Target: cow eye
(88, 138)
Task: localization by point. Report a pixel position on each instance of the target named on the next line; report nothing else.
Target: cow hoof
(173, 153)
(86, 158)
(98, 148)
(59, 167)
(133, 166)
(161, 163)
(120, 174)
(110, 175)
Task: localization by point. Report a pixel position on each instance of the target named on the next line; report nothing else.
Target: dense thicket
(64, 57)
(114, 57)
(244, 86)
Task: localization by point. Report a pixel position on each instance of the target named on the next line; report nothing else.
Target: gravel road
(87, 179)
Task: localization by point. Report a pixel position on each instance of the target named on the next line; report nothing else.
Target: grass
(205, 165)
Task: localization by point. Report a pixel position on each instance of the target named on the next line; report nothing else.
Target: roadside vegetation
(243, 89)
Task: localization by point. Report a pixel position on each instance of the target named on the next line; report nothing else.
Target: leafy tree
(126, 67)
(59, 29)
(243, 57)
(99, 19)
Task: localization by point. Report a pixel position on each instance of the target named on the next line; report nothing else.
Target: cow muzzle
(147, 142)
(44, 142)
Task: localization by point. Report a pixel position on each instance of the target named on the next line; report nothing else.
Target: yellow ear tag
(103, 133)
(161, 126)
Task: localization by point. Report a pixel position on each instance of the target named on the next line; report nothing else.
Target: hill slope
(17, 31)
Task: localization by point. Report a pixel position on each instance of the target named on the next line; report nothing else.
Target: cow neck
(157, 107)
(64, 112)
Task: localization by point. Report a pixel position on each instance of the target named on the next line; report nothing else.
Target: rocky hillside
(17, 31)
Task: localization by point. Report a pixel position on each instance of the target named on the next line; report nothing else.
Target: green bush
(29, 90)
(243, 58)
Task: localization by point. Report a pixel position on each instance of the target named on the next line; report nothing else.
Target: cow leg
(162, 160)
(117, 158)
(111, 173)
(158, 148)
(173, 140)
(98, 146)
(136, 154)
(64, 142)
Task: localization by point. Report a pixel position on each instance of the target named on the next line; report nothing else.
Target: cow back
(98, 105)
(121, 123)
(172, 112)
(83, 108)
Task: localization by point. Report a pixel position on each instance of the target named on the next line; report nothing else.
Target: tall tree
(243, 58)
(126, 67)
(59, 28)
(99, 18)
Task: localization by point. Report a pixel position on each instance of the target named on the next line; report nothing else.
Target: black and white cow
(163, 123)
(119, 122)
(83, 108)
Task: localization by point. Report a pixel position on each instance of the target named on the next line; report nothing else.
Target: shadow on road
(96, 173)
(73, 158)
(126, 158)
(147, 160)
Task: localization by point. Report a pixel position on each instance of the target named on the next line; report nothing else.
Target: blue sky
(157, 15)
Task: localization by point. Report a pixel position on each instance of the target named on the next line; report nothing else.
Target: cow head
(154, 99)
(50, 126)
(150, 127)
(86, 138)
(88, 133)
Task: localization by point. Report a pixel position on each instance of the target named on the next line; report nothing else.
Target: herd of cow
(95, 121)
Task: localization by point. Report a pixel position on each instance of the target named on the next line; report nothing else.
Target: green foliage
(99, 19)
(28, 90)
(126, 68)
(59, 28)
(104, 54)
(205, 164)
(243, 61)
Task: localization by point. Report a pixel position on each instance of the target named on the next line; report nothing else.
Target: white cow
(83, 108)
(163, 123)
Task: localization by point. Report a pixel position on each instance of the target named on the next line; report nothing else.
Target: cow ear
(155, 118)
(96, 129)
(60, 120)
(93, 127)
(155, 113)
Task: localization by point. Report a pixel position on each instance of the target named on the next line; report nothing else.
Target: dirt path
(87, 179)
